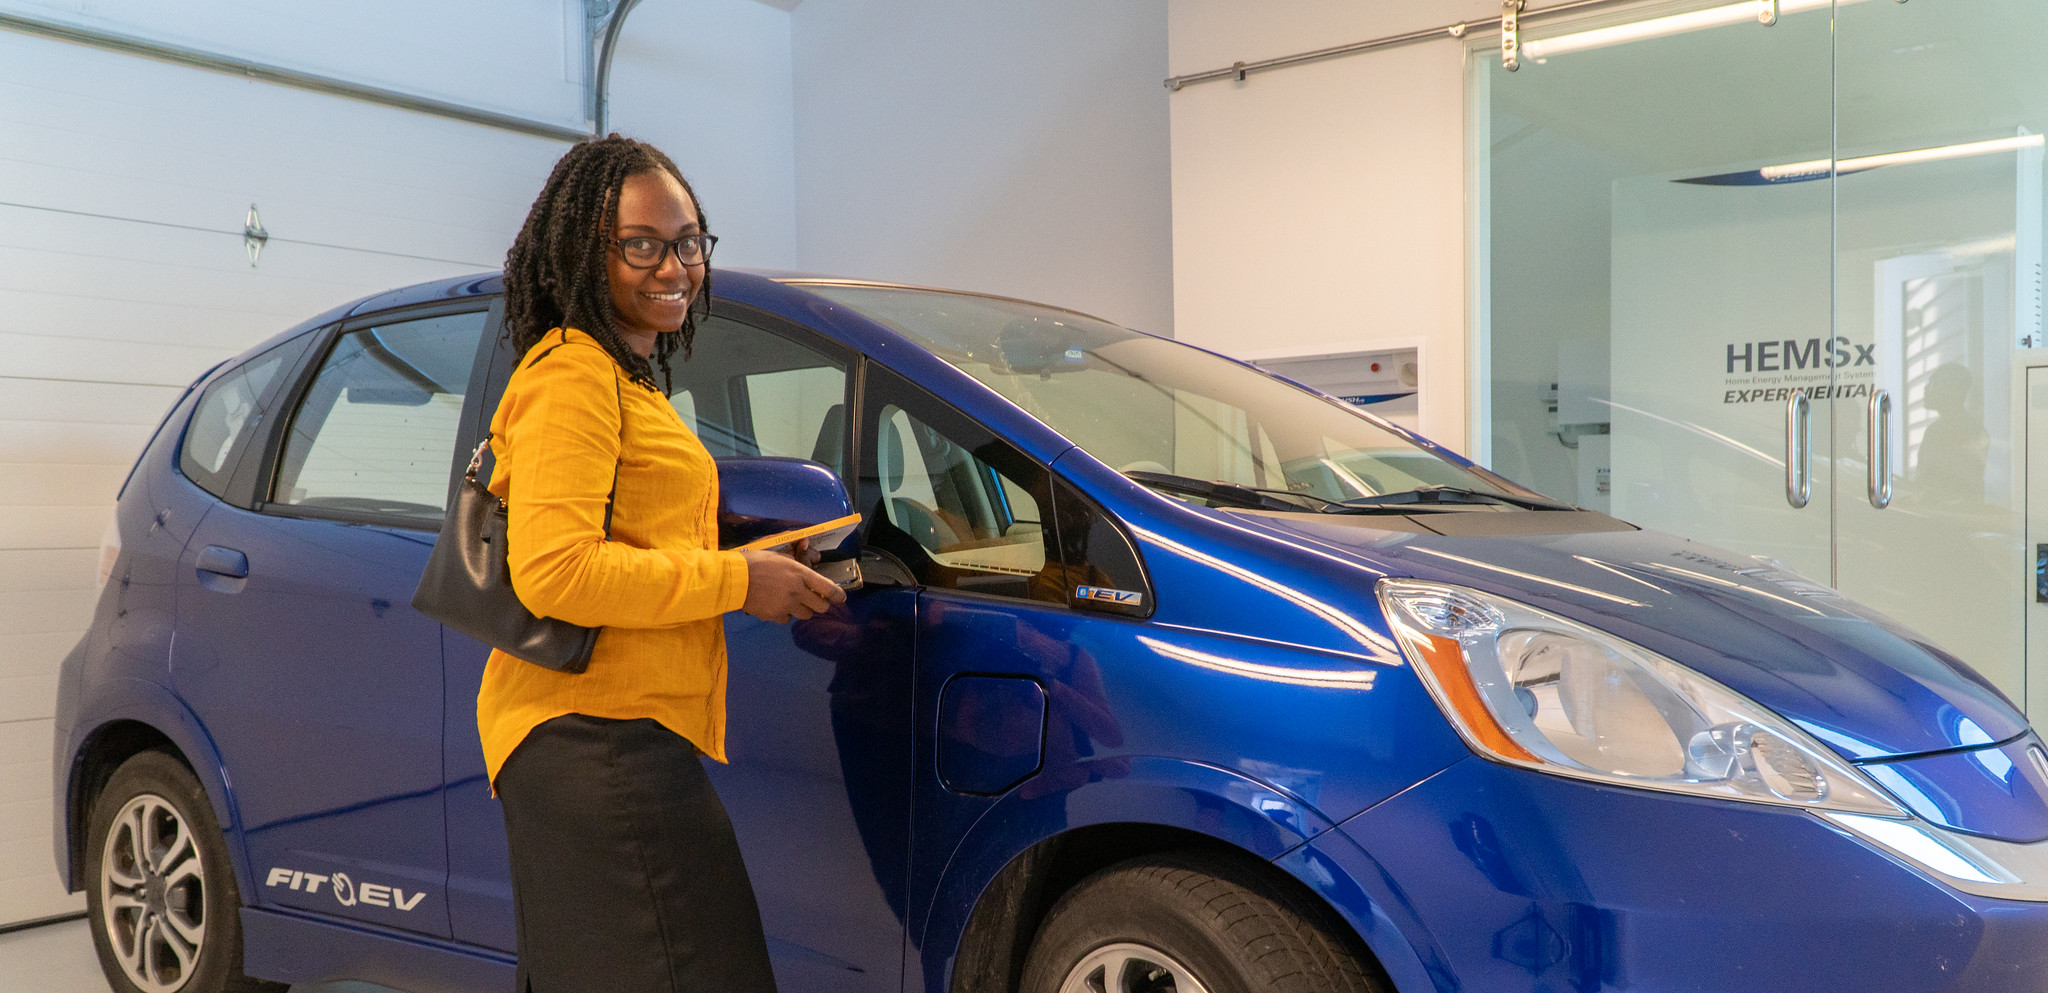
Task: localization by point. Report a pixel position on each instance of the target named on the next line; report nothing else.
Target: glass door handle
(1798, 441)
(1880, 449)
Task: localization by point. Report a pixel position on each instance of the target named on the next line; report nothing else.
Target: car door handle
(223, 562)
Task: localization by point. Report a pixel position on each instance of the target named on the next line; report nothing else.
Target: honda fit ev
(1163, 674)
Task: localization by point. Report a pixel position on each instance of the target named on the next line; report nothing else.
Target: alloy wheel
(1126, 967)
(153, 894)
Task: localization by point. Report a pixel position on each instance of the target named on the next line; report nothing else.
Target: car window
(686, 408)
(963, 509)
(748, 391)
(228, 413)
(375, 434)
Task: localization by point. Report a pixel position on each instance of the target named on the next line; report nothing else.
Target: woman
(625, 873)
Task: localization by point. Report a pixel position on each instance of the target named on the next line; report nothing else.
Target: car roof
(452, 288)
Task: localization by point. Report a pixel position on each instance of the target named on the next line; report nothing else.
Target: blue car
(1163, 674)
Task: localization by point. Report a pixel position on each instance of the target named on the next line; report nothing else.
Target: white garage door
(123, 187)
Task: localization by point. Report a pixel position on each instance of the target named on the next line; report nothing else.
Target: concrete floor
(58, 958)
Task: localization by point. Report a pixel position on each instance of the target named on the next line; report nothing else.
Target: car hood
(1852, 678)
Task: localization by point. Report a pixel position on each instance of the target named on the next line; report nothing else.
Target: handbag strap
(609, 498)
(476, 458)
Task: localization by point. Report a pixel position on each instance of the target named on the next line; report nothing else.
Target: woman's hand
(802, 551)
(780, 589)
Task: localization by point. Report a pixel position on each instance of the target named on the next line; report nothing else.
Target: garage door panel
(108, 308)
(82, 403)
(141, 263)
(51, 527)
(343, 210)
(37, 895)
(109, 444)
(264, 304)
(48, 356)
(226, 328)
(88, 490)
(457, 216)
(74, 570)
(103, 122)
(51, 624)
(25, 758)
(457, 201)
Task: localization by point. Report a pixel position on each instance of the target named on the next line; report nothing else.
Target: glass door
(1942, 107)
(1661, 333)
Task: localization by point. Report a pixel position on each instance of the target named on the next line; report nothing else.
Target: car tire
(1191, 923)
(160, 893)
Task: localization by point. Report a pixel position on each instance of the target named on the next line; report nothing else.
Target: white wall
(519, 57)
(123, 276)
(1323, 206)
(1014, 148)
(709, 82)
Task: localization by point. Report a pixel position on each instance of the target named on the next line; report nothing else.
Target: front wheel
(160, 893)
(1190, 923)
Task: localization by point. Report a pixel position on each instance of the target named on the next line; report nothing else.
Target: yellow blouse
(659, 588)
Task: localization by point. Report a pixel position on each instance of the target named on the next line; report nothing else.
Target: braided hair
(555, 272)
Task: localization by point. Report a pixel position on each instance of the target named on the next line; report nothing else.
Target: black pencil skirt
(626, 877)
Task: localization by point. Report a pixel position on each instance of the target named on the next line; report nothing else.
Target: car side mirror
(763, 496)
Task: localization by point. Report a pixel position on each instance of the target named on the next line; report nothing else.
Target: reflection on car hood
(1854, 679)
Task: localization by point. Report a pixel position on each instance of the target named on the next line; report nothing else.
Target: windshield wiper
(1438, 494)
(1221, 494)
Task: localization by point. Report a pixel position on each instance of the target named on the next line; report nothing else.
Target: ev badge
(344, 890)
(1122, 598)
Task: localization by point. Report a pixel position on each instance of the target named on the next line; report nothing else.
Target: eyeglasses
(647, 253)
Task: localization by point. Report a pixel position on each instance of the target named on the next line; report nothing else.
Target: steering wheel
(1143, 465)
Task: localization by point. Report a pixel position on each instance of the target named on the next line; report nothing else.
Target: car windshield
(1147, 405)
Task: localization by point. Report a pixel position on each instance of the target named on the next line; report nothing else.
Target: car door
(1004, 682)
(818, 712)
(297, 642)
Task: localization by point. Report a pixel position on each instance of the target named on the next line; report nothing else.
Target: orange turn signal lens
(1446, 662)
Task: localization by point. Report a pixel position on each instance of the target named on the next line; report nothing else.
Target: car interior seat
(913, 517)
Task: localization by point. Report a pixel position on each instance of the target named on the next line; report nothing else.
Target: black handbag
(467, 584)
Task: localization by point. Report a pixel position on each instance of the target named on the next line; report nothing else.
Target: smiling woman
(624, 863)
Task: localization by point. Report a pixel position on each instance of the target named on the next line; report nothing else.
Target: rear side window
(375, 434)
(229, 413)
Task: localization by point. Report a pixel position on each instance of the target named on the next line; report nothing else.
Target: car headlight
(1533, 689)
